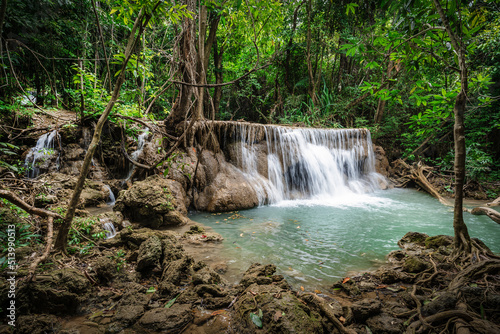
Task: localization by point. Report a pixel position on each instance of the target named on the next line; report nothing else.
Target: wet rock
(445, 301)
(150, 253)
(365, 308)
(437, 241)
(172, 250)
(385, 324)
(128, 314)
(228, 192)
(413, 240)
(36, 324)
(171, 320)
(259, 274)
(177, 270)
(282, 312)
(155, 202)
(381, 162)
(414, 264)
(61, 292)
(206, 276)
(105, 269)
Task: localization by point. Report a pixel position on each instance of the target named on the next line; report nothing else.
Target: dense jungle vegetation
(385, 65)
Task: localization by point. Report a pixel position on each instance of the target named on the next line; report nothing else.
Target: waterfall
(108, 227)
(112, 198)
(141, 140)
(43, 150)
(300, 163)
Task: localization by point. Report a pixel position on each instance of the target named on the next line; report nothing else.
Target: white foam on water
(44, 149)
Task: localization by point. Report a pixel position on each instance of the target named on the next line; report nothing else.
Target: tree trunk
(462, 238)
(188, 57)
(62, 236)
(381, 103)
(288, 57)
(312, 82)
(219, 76)
(3, 10)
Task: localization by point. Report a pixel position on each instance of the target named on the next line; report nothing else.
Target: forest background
(389, 66)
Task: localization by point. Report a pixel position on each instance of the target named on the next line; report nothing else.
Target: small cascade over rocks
(108, 227)
(141, 141)
(112, 199)
(286, 163)
(39, 159)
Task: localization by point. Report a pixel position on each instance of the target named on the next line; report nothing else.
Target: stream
(317, 241)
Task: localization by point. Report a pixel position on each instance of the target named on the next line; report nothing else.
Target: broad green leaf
(256, 319)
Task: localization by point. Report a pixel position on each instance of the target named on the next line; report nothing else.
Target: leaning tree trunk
(62, 236)
(462, 238)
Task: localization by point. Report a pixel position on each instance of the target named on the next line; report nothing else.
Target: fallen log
(481, 210)
(495, 202)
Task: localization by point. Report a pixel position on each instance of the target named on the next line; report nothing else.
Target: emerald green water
(317, 241)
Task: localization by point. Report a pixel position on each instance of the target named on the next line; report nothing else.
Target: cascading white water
(306, 163)
(108, 227)
(44, 149)
(141, 140)
(112, 198)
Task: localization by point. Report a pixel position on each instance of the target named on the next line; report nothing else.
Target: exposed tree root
(14, 199)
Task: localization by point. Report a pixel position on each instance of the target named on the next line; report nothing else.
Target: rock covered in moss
(150, 254)
(155, 202)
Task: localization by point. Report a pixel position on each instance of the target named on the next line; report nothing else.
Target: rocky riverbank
(144, 281)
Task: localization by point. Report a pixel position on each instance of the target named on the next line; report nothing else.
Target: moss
(439, 240)
(414, 264)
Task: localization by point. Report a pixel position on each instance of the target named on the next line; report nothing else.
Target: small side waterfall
(108, 227)
(112, 198)
(284, 163)
(141, 140)
(44, 150)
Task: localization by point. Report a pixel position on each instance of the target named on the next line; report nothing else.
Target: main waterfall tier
(284, 163)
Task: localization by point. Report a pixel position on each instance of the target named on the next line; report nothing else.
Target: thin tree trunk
(62, 236)
(462, 238)
(288, 58)
(219, 77)
(312, 86)
(3, 10)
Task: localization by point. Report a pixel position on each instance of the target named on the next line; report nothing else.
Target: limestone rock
(365, 308)
(229, 191)
(155, 202)
(150, 253)
(170, 320)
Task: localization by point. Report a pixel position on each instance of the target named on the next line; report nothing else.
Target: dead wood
(320, 303)
(415, 173)
(496, 202)
(14, 199)
(481, 210)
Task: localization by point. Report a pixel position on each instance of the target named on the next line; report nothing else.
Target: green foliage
(83, 234)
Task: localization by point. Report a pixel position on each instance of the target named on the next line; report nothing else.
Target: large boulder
(228, 192)
(155, 202)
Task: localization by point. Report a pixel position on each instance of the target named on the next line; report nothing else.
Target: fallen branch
(494, 203)
(481, 210)
(327, 310)
(14, 199)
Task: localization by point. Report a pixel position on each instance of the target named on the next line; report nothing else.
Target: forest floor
(151, 281)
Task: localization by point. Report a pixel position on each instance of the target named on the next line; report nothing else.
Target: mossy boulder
(414, 264)
(150, 254)
(155, 202)
(437, 241)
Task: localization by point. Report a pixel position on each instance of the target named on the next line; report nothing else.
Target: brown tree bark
(3, 10)
(62, 236)
(288, 57)
(219, 76)
(312, 82)
(188, 60)
(462, 238)
(381, 103)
